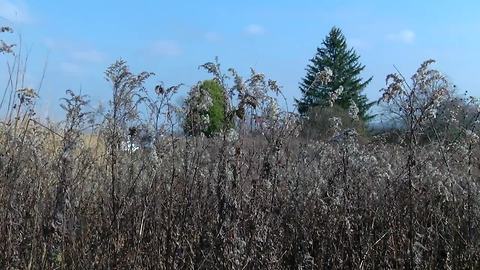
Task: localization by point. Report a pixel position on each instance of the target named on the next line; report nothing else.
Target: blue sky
(79, 39)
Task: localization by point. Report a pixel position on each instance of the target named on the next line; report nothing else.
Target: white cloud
(58, 44)
(165, 48)
(71, 68)
(212, 37)
(14, 12)
(359, 43)
(91, 56)
(254, 30)
(404, 36)
(74, 51)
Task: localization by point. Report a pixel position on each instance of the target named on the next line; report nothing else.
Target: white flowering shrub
(418, 102)
(196, 108)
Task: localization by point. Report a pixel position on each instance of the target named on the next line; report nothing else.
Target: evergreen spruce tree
(346, 69)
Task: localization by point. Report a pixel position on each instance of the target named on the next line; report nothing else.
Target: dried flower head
(27, 92)
(6, 29)
(6, 48)
(335, 124)
(324, 76)
(335, 95)
(353, 110)
(471, 137)
(394, 87)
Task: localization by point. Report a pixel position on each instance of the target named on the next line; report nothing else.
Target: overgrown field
(123, 189)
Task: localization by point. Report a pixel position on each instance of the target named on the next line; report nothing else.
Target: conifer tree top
(346, 68)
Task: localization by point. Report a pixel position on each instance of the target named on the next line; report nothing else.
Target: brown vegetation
(274, 200)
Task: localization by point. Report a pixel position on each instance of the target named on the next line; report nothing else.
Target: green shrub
(206, 109)
(216, 113)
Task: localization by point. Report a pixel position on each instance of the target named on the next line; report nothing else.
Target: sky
(78, 40)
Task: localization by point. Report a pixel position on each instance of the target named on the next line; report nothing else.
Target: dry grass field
(270, 189)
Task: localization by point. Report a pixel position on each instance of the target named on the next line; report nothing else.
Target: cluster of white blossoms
(395, 87)
(471, 137)
(335, 124)
(353, 110)
(437, 98)
(27, 95)
(335, 95)
(422, 98)
(272, 111)
(4, 47)
(454, 117)
(27, 92)
(197, 104)
(324, 76)
(128, 146)
(432, 112)
(232, 135)
(204, 120)
(200, 99)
